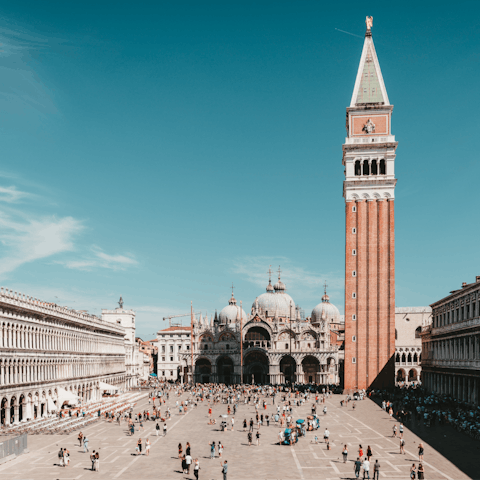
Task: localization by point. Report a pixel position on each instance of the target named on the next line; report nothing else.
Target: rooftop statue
(369, 22)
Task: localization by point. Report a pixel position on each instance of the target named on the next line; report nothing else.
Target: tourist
(188, 460)
(147, 446)
(369, 453)
(97, 461)
(245, 425)
(402, 446)
(376, 470)
(401, 430)
(220, 449)
(60, 457)
(413, 472)
(92, 459)
(212, 450)
(420, 472)
(164, 429)
(366, 468)
(356, 467)
(180, 450)
(80, 438)
(139, 446)
(360, 451)
(249, 439)
(420, 453)
(326, 435)
(196, 468)
(85, 444)
(157, 429)
(344, 453)
(188, 449)
(258, 438)
(224, 469)
(184, 464)
(233, 422)
(66, 457)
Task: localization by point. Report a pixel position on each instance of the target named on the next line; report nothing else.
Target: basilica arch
(288, 368)
(203, 370)
(255, 368)
(311, 369)
(225, 370)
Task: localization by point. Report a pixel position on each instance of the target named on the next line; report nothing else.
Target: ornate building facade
(451, 345)
(273, 343)
(50, 353)
(369, 192)
(409, 322)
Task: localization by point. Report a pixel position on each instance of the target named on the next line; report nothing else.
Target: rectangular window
(163, 373)
(179, 347)
(163, 359)
(171, 359)
(163, 348)
(354, 338)
(354, 295)
(354, 360)
(171, 373)
(354, 252)
(354, 230)
(171, 348)
(354, 317)
(354, 209)
(188, 347)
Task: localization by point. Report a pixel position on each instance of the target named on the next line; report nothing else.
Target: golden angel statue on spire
(369, 22)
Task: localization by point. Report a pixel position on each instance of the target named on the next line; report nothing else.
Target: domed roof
(275, 302)
(325, 311)
(230, 313)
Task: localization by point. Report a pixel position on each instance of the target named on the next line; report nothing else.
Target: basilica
(273, 344)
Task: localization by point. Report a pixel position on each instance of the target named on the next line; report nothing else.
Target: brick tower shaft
(369, 191)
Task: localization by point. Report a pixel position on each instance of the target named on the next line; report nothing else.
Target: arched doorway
(257, 337)
(203, 370)
(4, 410)
(311, 367)
(401, 375)
(225, 370)
(21, 404)
(13, 401)
(288, 367)
(412, 375)
(255, 368)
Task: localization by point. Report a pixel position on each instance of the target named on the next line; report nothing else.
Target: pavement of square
(366, 425)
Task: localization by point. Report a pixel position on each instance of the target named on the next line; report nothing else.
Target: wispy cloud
(33, 239)
(12, 195)
(96, 258)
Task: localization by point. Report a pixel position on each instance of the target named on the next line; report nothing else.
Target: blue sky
(163, 150)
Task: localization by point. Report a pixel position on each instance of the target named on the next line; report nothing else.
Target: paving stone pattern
(366, 425)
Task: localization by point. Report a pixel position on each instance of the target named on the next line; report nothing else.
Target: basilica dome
(275, 302)
(325, 311)
(230, 313)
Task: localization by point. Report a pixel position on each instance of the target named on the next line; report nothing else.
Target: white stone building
(408, 342)
(49, 354)
(171, 343)
(126, 319)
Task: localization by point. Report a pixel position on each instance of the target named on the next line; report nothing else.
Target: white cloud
(99, 259)
(12, 195)
(32, 239)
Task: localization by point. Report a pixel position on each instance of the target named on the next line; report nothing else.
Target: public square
(367, 424)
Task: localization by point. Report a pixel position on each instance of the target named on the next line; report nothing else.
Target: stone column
(15, 414)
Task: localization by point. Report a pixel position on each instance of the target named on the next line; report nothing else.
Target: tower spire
(369, 85)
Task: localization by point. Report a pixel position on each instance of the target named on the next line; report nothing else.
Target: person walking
(249, 439)
(245, 425)
(157, 429)
(413, 472)
(326, 435)
(164, 429)
(184, 465)
(97, 461)
(356, 467)
(400, 429)
(402, 446)
(212, 450)
(345, 453)
(85, 444)
(224, 469)
(80, 438)
(220, 449)
(188, 460)
(60, 457)
(376, 470)
(366, 468)
(395, 430)
(360, 451)
(66, 457)
(369, 453)
(420, 472)
(251, 424)
(258, 438)
(180, 450)
(147, 446)
(233, 422)
(92, 459)
(420, 453)
(196, 468)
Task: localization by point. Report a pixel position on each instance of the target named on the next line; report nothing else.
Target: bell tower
(369, 192)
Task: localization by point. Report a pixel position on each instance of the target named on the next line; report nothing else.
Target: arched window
(409, 358)
(366, 167)
(374, 167)
(404, 358)
(357, 168)
(418, 330)
(382, 167)
(397, 358)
